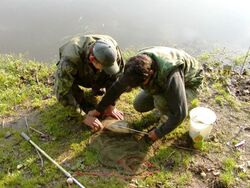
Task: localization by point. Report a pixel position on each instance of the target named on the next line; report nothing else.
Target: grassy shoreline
(27, 93)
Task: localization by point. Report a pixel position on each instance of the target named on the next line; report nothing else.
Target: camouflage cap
(106, 54)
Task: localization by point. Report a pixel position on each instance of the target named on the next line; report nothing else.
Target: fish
(118, 126)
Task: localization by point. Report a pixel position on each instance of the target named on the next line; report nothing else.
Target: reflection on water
(38, 28)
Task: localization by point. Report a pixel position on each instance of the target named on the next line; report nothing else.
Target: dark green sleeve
(113, 94)
(177, 104)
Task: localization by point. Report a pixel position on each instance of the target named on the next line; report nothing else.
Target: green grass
(23, 83)
(25, 86)
(228, 174)
(223, 97)
(195, 103)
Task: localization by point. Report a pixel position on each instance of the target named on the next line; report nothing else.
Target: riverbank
(28, 104)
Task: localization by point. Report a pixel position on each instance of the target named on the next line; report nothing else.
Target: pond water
(38, 28)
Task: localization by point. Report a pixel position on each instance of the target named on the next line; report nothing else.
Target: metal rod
(134, 130)
(68, 175)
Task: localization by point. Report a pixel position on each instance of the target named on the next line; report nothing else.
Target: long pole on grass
(67, 174)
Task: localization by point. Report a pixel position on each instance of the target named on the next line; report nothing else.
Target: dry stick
(41, 158)
(37, 131)
(237, 134)
(195, 150)
(170, 155)
(27, 125)
(189, 149)
(243, 65)
(3, 123)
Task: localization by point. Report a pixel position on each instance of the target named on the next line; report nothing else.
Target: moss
(102, 182)
(179, 131)
(195, 103)
(159, 179)
(90, 157)
(223, 97)
(184, 179)
(227, 178)
(59, 126)
(168, 158)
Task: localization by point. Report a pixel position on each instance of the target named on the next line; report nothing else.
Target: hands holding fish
(92, 121)
(114, 112)
(95, 124)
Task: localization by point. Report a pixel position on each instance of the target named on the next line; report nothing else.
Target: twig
(208, 158)
(3, 123)
(170, 155)
(37, 131)
(41, 159)
(244, 62)
(236, 135)
(189, 149)
(27, 125)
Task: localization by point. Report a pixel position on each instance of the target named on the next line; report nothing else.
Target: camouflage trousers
(85, 99)
(145, 102)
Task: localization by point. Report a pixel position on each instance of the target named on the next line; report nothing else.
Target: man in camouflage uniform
(90, 61)
(167, 76)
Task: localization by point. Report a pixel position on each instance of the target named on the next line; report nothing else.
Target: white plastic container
(201, 123)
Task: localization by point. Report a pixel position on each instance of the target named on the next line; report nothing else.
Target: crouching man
(89, 61)
(169, 78)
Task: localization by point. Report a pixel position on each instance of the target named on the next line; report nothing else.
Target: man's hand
(94, 113)
(152, 135)
(114, 112)
(92, 121)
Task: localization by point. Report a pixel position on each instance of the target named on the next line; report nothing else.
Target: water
(38, 28)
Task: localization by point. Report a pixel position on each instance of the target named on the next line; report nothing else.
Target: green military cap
(106, 54)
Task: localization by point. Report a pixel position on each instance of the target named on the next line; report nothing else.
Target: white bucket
(201, 120)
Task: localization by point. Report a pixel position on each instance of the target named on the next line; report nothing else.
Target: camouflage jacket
(175, 70)
(74, 68)
(168, 60)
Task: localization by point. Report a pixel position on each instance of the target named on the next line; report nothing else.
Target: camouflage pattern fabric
(169, 59)
(75, 70)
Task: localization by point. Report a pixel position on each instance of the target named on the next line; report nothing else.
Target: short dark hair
(138, 69)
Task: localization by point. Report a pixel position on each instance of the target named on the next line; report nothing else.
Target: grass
(26, 87)
(227, 176)
(217, 81)
(223, 97)
(23, 84)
